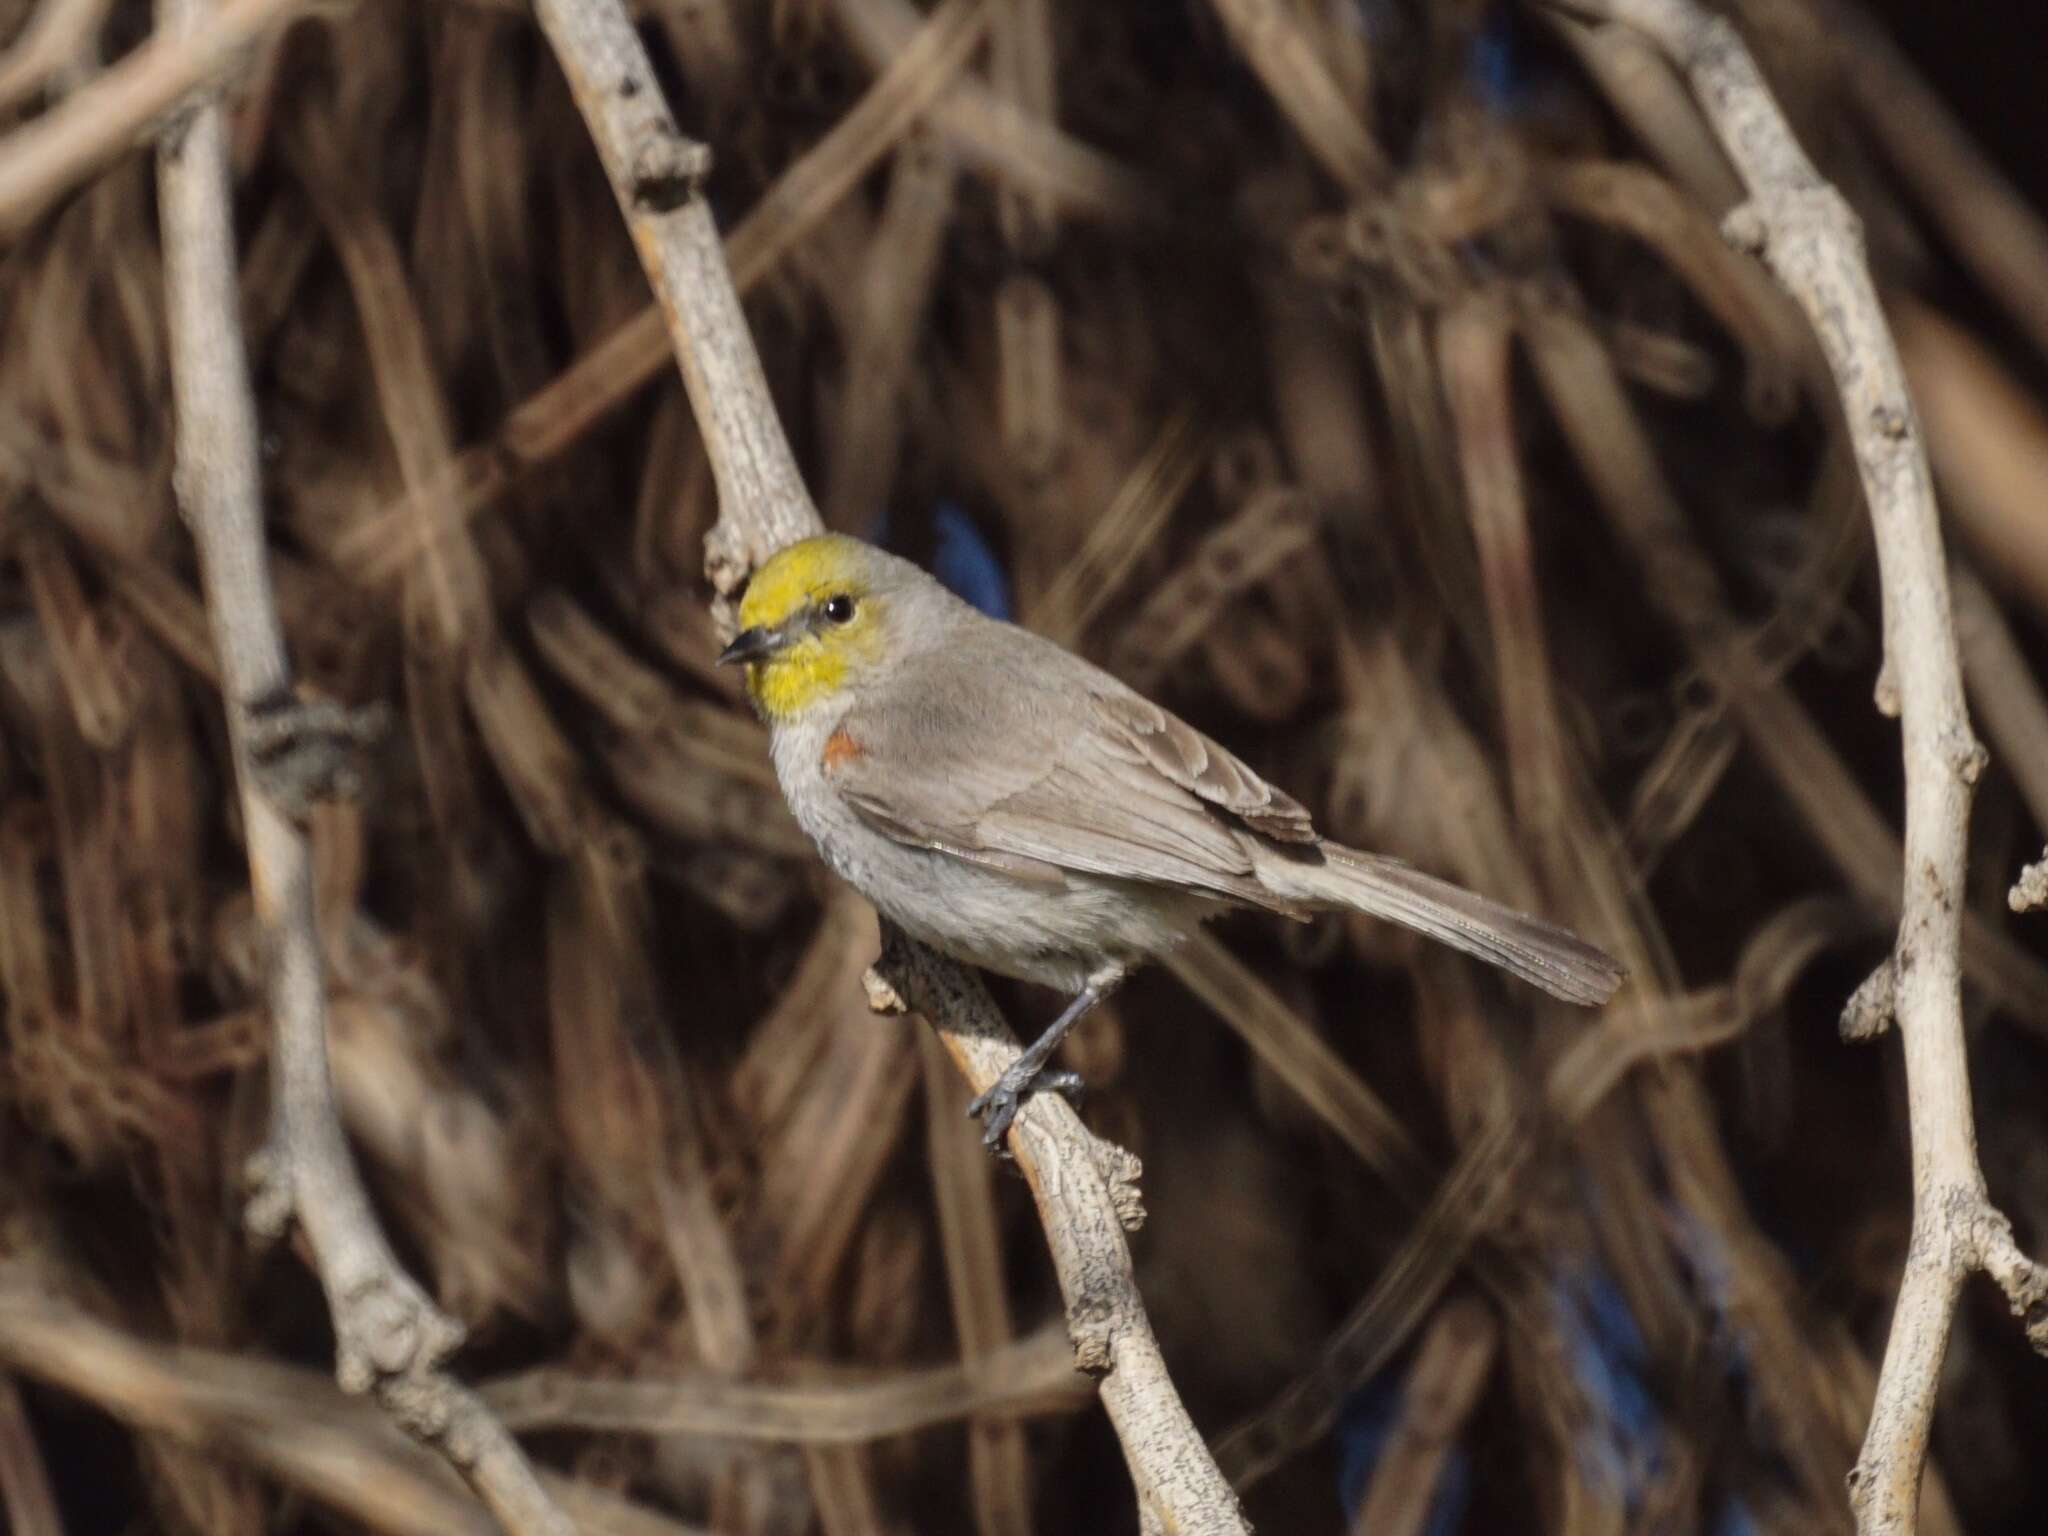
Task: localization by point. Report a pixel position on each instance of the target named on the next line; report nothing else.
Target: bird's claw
(999, 1106)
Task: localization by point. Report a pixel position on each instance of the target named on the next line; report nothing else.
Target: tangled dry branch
(1812, 241)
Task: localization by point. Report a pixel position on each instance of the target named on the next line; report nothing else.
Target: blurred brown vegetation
(1366, 378)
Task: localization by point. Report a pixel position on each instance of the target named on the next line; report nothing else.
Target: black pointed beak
(750, 645)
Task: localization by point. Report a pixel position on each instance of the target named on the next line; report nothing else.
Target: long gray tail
(1331, 875)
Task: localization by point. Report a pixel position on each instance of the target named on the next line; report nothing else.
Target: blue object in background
(1624, 1447)
(963, 560)
(1506, 72)
(1364, 1424)
(1498, 62)
(966, 563)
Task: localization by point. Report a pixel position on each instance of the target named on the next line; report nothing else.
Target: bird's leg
(1028, 1073)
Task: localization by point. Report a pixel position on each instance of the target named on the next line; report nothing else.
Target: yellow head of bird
(810, 620)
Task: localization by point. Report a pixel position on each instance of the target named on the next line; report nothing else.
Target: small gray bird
(1014, 807)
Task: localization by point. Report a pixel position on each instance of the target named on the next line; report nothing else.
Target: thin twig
(25, 1492)
(45, 158)
(1012, 1382)
(388, 1335)
(1995, 234)
(1812, 242)
(2004, 689)
(1086, 1191)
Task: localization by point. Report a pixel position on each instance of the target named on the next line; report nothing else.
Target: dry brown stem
(1288, 58)
(1999, 238)
(995, 135)
(2003, 688)
(44, 159)
(963, 1189)
(287, 1423)
(897, 276)
(389, 1337)
(557, 415)
(1811, 241)
(1473, 347)
(1035, 1376)
(1086, 1190)
(1988, 439)
(281, 1420)
(1439, 1394)
(24, 1482)
(1655, 104)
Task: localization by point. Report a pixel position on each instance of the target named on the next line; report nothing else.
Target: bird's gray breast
(1054, 933)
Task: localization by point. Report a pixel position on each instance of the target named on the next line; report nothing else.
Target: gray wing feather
(1197, 764)
(876, 811)
(1043, 764)
(1036, 769)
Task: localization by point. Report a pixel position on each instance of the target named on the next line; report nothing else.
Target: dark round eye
(838, 608)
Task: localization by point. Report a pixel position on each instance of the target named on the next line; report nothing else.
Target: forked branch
(389, 1337)
(1812, 242)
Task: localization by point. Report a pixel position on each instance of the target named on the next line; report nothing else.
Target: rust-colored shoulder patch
(840, 749)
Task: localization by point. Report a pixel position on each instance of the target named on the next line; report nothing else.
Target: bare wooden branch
(45, 158)
(1086, 1190)
(389, 1336)
(1812, 243)
(1087, 1195)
